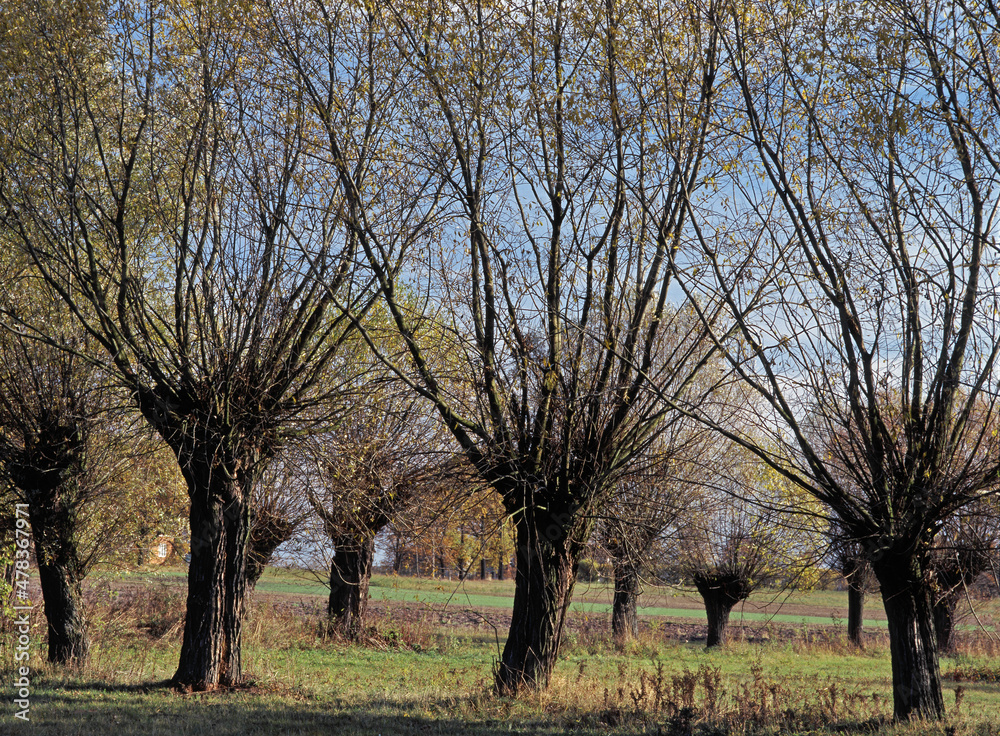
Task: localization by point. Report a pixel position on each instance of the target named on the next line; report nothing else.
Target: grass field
(423, 670)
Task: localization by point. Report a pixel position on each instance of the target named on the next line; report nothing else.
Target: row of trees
(562, 228)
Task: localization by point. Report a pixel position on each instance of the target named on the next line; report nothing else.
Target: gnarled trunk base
(721, 592)
(49, 474)
(62, 594)
(350, 574)
(916, 678)
(624, 606)
(548, 551)
(211, 652)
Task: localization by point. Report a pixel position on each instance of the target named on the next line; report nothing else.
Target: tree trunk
(916, 677)
(62, 595)
(397, 557)
(482, 569)
(717, 609)
(48, 475)
(350, 574)
(624, 606)
(237, 586)
(855, 614)
(720, 592)
(501, 570)
(548, 551)
(955, 569)
(268, 531)
(944, 621)
(857, 572)
(211, 651)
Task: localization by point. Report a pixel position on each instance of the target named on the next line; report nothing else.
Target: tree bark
(855, 614)
(954, 570)
(717, 609)
(916, 677)
(237, 586)
(48, 475)
(944, 621)
(547, 555)
(211, 651)
(624, 606)
(350, 574)
(720, 592)
(62, 595)
(856, 571)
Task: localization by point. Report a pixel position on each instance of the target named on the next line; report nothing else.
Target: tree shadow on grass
(156, 709)
(113, 687)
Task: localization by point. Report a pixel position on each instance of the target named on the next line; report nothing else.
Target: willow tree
(545, 152)
(650, 501)
(850, 560)
(863, 187)
(71, 450)
(363, 477)
(727, 553)
(965, 549)
(160, 187)
(744, 527)
(50, 405)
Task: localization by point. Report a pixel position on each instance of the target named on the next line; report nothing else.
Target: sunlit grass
(417, 676)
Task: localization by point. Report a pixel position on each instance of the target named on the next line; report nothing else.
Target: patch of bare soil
(493, 623)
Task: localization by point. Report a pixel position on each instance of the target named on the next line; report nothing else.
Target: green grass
(588, 597)
(465, 599)
(324, 688)
(419, 677)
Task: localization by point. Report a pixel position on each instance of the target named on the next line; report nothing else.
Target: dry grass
(413, 674)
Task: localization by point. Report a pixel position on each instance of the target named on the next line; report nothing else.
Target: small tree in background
(851, 559)
(727, 553)
(382, 459)
(965, 549)
(648, 501)
(746, 529)
(279, 513)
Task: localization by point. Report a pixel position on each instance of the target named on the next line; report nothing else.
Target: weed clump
(150, 613)
(384, 635)
(703, 702)
(973, 673)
